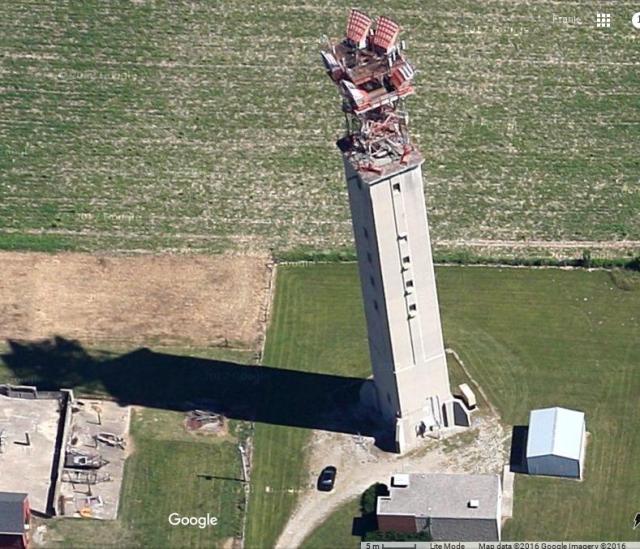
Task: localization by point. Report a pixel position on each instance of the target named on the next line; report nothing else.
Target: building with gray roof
(451, 507)
(556, 442)
(14, 519)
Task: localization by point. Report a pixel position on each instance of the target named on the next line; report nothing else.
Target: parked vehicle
(327, 479)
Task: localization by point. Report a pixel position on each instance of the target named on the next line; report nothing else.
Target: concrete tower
(384, 179)
(400, 300)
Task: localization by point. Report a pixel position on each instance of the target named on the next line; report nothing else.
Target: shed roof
(12, 512)
(444, 496)
(555, 431)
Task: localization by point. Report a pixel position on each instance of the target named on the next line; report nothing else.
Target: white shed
(556, 442)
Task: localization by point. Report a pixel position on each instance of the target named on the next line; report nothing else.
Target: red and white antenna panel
(358, 27)
(402, 75)
(386, 34)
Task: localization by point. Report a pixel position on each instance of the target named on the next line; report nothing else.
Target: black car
(327, 479)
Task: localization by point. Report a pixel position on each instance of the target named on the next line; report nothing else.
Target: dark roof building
(14, 520)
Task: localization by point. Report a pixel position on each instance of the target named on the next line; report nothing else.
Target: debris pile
(205, 422)
(111, 439)
(75, 459)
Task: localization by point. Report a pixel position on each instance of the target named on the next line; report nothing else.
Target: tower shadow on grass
(143, 377)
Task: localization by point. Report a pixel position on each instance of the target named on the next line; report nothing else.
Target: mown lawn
(336, 530)
(317, 326)
(548, 337)
(531, 338)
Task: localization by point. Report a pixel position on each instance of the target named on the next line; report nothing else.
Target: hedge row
(467, 258)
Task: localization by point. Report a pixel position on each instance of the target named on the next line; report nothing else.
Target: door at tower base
(400, 299)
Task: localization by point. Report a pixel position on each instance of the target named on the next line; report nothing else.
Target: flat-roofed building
(556, 442)
(15, 517)
(451, 507)
(31, 442)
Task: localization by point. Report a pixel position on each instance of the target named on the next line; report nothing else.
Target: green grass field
(172, 125)
(336, 530)
(161, 475)
(543, 338)
(160, 479)
(531, 338)
(317, 326)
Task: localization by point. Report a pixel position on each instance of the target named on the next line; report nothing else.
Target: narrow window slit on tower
(412, 307)
(406, 260)
(396, 187)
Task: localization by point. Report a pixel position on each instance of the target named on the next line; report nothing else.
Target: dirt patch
(206, 424)
(148, 299)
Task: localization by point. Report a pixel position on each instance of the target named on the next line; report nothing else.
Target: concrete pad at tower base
(406, 433)
(30, 428)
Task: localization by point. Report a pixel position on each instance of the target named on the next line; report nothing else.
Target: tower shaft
(400, 299)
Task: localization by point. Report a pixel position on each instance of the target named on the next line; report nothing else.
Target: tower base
(410, 431)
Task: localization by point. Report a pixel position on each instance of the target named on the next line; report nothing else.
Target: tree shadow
(368, 521)
(144, 377)
(361, 526)
(517, 456)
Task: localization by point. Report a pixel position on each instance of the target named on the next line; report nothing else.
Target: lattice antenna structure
(373, 76)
